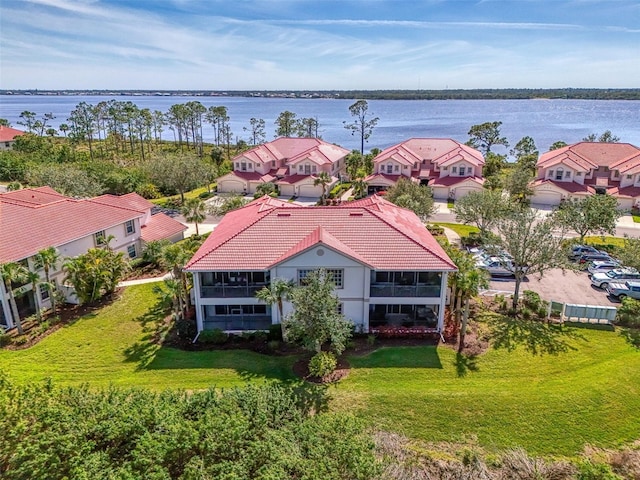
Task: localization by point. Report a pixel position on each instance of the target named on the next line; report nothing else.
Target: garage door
(231, 186)
(625, 203)
(546, 198)
(286, 190)
(440, 193)
(309, 191)
(461, 192)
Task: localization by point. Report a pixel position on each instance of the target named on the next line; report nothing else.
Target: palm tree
(175, 257)
(465, 284)
(359, 187)
(195, 211)
(13, 272)
(48, 259)
(323, 179)
(278, 291)
(34, 279)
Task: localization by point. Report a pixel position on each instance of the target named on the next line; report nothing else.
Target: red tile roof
(451, 180)
(570, 187)
(132, 201)
(372, 231)
(26, 228)
(250, 176)
(294, 149)
(7, 133)
(590, 155)
(161, 226)
(437, 150)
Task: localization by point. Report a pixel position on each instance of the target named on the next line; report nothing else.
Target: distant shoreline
(472, 94)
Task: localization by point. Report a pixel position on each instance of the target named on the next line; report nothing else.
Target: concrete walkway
(453, 237)
(141, 281)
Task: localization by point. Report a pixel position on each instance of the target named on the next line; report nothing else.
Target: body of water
(547, 121)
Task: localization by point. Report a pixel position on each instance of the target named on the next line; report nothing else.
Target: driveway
(567, 287)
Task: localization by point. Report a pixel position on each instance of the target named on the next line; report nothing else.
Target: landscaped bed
(548, 404)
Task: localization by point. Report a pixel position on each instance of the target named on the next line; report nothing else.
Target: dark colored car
(591, 257)
(578, 250)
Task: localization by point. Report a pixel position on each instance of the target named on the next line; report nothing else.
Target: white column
(196, 301)
(443, 300)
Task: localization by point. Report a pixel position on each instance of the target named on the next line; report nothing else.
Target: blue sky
(324, 44)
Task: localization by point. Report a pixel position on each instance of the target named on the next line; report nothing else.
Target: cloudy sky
(322, 44)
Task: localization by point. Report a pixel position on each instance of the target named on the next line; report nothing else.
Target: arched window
(559, 173)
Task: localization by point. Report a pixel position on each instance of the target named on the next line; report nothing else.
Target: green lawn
(546, 404)
(462, 230)
(598, 240)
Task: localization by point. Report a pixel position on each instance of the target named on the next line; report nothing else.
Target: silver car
(603, 265)
(617, 275)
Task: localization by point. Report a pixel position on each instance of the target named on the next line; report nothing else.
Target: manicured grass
(462, 230)
(636, 218)
(546, 404)
(113, 347)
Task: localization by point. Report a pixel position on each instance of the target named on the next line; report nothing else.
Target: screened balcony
(237, 317)
(405, 284)
(232, 284)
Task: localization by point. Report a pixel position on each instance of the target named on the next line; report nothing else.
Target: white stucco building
(33, 219)
(387, 267)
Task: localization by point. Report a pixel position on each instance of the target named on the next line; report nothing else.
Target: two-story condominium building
(291, 163)
(8, 136)
(33, 219)
(387, 268)
(587, 168)
(450, 168)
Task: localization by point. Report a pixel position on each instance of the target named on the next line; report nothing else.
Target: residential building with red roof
(8, 136)
(450, 168)
(291, 163)
(587, 168)
(33, 219)
(387, 268)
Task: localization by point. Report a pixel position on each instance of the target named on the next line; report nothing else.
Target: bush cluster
(257, 432)
(322, 363)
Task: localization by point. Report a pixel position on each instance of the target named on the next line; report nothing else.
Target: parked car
(617, 275)
(496, 266)
(603, 265)
(578, 250)
(623, 290)
(592, 257)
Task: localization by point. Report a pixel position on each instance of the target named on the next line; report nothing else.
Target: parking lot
(568, 287)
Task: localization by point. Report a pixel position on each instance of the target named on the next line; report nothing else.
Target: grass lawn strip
(462, 230)
(546, 404)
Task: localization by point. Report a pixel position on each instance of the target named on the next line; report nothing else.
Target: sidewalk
(141, 281)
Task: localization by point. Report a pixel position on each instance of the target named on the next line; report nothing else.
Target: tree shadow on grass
(632, 336)
(144, 350)
(465, 363)
(536, 337)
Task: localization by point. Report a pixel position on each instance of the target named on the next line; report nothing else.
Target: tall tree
(363, 124)
(256, 130)
(27, 120)
(180, 173)
(483, 208)
(307, 127)
(286, 124)
(413, 196)
(629, 254)
(323, 179)
(534, 244)
(606, 137)
(195, 211)
(13, 272)
(595, 213)
(557, 145)
(518, 184)
(486, 135)
(315, 320)
(48, 259)
(276, 293)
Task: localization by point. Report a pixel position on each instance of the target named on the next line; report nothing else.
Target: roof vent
(356, 214)
(284, 214)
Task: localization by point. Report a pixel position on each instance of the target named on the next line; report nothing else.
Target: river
(546, 121)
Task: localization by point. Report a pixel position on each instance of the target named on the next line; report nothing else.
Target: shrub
(322, 363)
(273, 345)
(595, 471)
(186, 328)
(275, 332)
(205, 195)
(435, 230)
(214, 337)
(533, 301)
(628, 314)
(21, 340)
(371, 340)
(4, 339)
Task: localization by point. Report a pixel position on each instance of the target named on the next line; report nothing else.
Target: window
(250, 165)
(389, 168)
(313, 169)
(237, 164)
(616, 174)
(445, 168)
(550, 173)
(44, 291)
(336, 275)
(469, 169)
(299, 168)
(99, 238)
(578, 174)
(273, 164)
(307, 169)
(567, 174)
(130, 227)
(396, 168)
(243, 166)
(559, 173)
(629, 177)
(454, 169)
(131, 251)
(7, 144)
(340, 308)
(404, 167)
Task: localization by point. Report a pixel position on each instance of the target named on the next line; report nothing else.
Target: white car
(497, 266)
(617, 275)
(602, 266)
